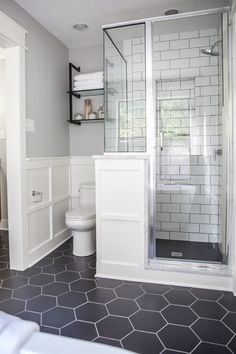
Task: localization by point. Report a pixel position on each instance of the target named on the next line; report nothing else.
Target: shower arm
(215, 44)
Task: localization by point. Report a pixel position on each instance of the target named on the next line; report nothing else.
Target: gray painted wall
(87, 139)
(46, 86)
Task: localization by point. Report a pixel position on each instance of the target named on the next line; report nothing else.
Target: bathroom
(161, 165)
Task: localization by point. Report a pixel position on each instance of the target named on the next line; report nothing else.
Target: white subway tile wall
(136, 81)
(125, 124)
(189, 196)
(116, 88)
(189, 96)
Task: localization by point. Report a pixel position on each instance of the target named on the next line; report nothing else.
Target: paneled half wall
(52, 188)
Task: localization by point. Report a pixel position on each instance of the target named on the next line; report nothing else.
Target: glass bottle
(87, 108)
(101, 111)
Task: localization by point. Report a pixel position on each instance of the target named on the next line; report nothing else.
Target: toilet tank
(87, 193)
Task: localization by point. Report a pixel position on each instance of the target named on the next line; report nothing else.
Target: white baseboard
(4, 224)
(48, 247)
(155, 277)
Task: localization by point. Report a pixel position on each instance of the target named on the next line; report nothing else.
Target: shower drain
(176, 254)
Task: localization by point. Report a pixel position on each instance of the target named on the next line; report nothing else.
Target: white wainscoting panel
(59, 210)
(126, 232)
(82, 170)
(39, 227)
(46, 214)
(61, 181)
(122, 180)
(120, 214)
(38, 179)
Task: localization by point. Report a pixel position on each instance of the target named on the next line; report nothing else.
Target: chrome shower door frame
(151, 261)
(149, 252)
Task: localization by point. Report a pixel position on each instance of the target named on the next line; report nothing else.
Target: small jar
(87, 108)
(93, 115)
(101, 111)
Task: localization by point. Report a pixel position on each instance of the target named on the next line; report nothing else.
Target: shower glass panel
(124, 63)
(189, 155)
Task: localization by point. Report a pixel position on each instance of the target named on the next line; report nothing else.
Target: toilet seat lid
(82, 212)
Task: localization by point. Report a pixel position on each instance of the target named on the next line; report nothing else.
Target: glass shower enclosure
(189, 159)
(125, 96)
(164, 95)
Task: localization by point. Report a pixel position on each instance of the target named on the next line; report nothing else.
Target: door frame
(232, 146)
(12, 38)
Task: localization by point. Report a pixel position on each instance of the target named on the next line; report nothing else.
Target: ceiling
(59, 16)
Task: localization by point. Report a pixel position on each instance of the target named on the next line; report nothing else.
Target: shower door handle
(161, 140)
(218, 152)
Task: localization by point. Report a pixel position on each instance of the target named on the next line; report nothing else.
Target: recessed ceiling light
(171, 12)
(80, 27)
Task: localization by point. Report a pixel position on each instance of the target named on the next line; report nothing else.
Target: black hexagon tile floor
(63, 296)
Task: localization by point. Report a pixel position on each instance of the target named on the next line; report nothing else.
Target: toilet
(82, 222)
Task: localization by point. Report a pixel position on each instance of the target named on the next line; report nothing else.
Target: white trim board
(174, 279)
(12, 37)
(11, 31)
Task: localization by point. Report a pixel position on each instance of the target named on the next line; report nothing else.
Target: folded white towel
(90, 76)
(84, 82)
(90, 85)
(14, 332)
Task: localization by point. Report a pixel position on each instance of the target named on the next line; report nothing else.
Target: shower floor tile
(188, 250)
(62, 294)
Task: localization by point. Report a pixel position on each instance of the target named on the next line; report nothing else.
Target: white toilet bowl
(82, 222)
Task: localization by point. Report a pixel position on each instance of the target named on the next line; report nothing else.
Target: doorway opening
(13, 139)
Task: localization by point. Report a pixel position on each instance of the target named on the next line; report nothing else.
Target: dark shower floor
(188, 250)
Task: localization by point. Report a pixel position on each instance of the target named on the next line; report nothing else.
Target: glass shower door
(189, 164)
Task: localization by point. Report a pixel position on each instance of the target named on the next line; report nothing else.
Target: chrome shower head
(211, 51)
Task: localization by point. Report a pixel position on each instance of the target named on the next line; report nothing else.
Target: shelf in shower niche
(81, 121)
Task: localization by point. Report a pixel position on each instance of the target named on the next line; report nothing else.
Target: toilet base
(84, 243)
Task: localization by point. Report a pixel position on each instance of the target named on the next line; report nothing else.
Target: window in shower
(189, 155)
(124, 61)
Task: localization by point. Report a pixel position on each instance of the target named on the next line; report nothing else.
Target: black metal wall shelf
(81, 121)
(84, 93)
(78, 94)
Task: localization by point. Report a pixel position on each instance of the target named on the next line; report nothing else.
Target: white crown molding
(12, 31)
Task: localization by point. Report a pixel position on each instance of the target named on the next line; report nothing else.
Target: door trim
(12, 37)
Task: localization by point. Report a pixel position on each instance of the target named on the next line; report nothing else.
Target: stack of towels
(14, 332)
(88, 81)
